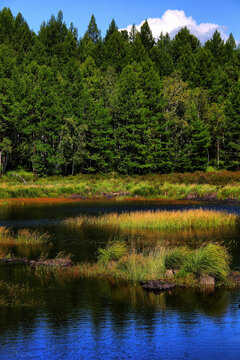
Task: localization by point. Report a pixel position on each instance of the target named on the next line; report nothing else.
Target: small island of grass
(182, 266)
(160, 220)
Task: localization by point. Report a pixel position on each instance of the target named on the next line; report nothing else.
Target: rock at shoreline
(207, 281)
(157, 286)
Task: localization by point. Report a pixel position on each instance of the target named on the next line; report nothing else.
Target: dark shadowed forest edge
(125, 102)
(198, 186)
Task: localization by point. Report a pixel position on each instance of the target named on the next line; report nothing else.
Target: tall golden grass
(161, 220)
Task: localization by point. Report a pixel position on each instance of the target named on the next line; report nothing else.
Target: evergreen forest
(123, 102)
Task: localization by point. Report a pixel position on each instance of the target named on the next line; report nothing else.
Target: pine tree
(216, 46)
(92, 31)
(146, 36)
(111, 30)
(162, 60)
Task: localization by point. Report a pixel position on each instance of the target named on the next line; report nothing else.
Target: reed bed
(22, 237)
(160, 220)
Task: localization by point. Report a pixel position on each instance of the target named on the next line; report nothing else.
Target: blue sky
(222, 13)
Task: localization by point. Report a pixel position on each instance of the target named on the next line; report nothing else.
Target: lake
(99, 319)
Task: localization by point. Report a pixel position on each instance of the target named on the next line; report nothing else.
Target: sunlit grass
(160, 220)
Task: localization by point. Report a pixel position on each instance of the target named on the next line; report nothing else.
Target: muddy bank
(158, 286)
(49, 263)
(103, 195)
(211, 198)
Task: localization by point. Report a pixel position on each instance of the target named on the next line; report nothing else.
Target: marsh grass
(113, 252)
(177, 257)
(221, 184)
(143, 266)
(160, 220)
(212, 260)
(22, 237)
(28, 237)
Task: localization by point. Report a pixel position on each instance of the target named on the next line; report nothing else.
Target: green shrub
(144, 189)
(27, 176)
(210, 169)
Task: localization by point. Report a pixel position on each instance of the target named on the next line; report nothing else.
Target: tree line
(125, 102)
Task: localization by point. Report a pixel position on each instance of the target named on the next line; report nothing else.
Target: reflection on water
(96, 319)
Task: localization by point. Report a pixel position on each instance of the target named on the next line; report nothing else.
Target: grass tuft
(212, 260)
(22, 237)
(113, 252)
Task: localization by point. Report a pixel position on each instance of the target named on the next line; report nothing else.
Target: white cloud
(173, 20)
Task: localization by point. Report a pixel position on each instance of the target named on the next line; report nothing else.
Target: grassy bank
(116, 261)
(214, 185)
(160, 220)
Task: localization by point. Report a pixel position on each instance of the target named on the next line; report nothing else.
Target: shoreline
(220, 186)
(66, 269)
(109, 198)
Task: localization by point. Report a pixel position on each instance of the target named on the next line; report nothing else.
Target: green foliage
(92, 31)
(123, 103)
(210, 169)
